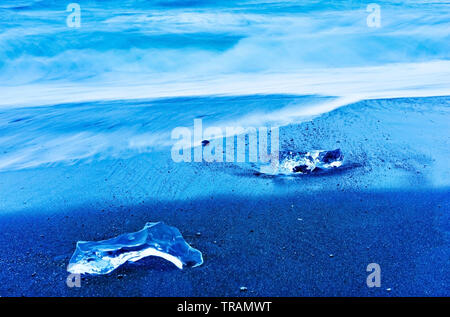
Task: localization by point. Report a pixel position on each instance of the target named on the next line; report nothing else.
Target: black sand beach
(312, 235)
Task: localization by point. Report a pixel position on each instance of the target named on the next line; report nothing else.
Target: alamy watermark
(374, 278)
(73, 20)
(73, 280)
(228, 144)
(374, 18)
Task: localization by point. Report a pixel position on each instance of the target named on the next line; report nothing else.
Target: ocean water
(134, 70)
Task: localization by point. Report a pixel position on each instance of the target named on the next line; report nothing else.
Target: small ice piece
(155, 239)
(303, 162)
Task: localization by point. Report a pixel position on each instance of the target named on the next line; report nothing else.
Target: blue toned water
(70, 93)
(121, 39)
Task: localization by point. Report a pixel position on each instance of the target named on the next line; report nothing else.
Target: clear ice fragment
(155, 239)
(290, 163)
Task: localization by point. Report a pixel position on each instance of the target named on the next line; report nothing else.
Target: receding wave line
(387, 81)
(91, 131)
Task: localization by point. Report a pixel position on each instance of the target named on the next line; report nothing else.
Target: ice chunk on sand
(155, 239)
(303, 162)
